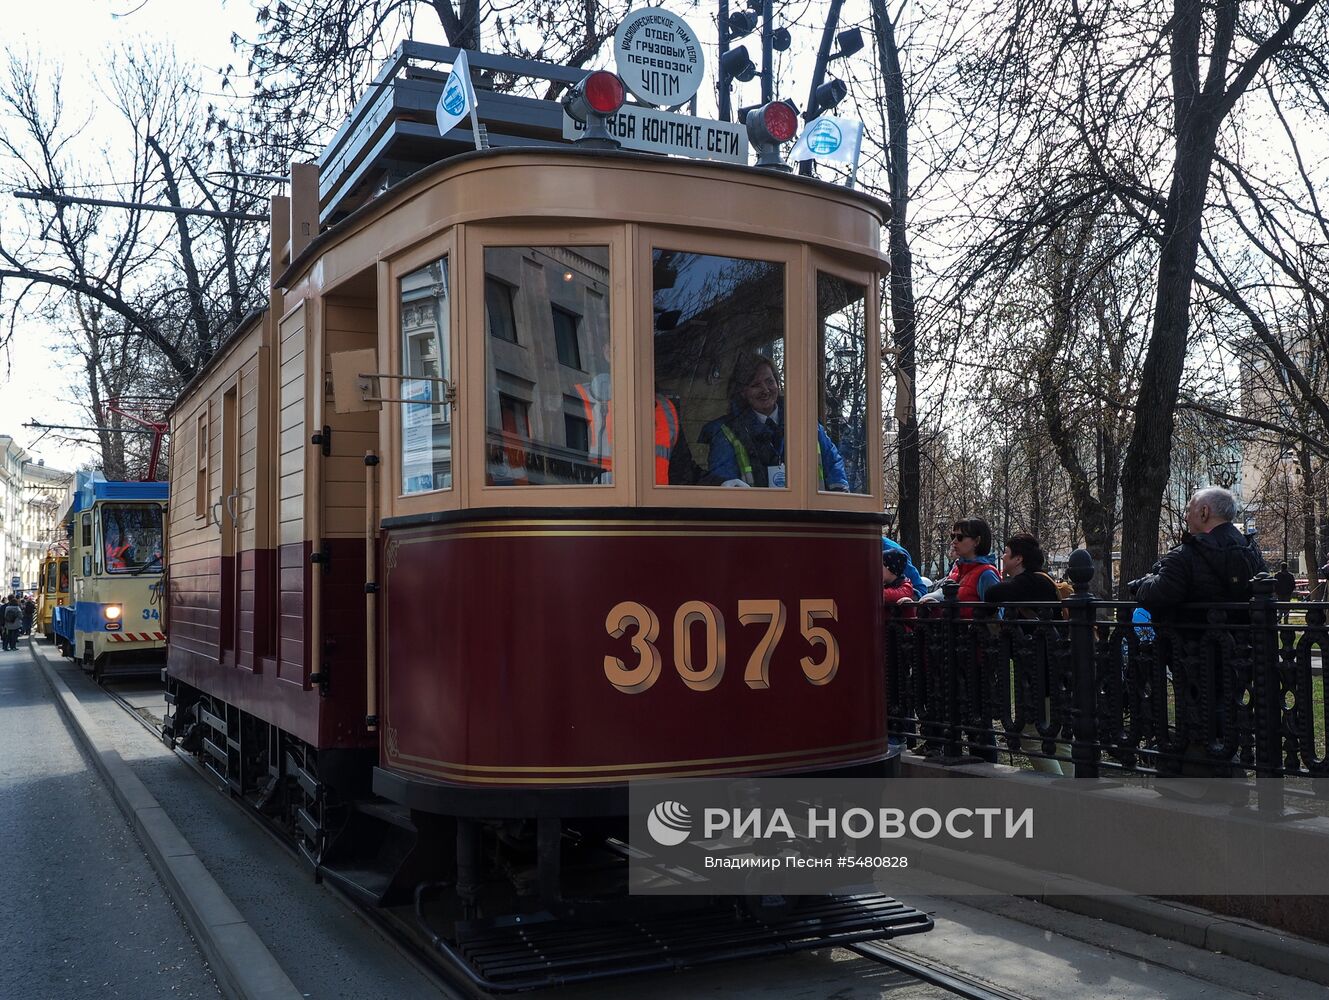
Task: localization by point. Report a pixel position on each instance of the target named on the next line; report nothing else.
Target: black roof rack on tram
(393, 131)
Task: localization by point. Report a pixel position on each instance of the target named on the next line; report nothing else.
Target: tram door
(230, 522)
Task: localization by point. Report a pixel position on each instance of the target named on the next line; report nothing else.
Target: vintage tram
(463, 541)
(112, 622)
(53, 588)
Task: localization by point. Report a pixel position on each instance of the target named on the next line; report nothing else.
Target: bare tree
(146, 297)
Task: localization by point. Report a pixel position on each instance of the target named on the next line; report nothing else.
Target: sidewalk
(244, 967)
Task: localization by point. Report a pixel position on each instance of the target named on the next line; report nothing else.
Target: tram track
(407, 941)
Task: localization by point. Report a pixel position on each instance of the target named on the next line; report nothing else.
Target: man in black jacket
(1213, 564)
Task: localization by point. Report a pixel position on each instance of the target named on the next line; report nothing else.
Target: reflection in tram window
(426, 426)
(719, 363)
(132, 537)
(842, 378)
(548, 419)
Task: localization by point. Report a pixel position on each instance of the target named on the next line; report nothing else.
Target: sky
(36, 380)
(37, 376)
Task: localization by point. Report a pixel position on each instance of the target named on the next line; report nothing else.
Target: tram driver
(747, 447)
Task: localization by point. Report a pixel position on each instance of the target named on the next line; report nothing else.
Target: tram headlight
(593, 102)
(112, 612)
(769, 127)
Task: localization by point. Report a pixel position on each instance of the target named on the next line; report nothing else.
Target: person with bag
(1214, 564)
(12, 620)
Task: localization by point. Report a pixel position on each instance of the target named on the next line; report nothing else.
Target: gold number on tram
(709, 615)
(809, 612)
(631, 614)
(772, 615)
(645, 625)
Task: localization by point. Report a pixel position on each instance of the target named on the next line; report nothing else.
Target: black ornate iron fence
(1081, 687)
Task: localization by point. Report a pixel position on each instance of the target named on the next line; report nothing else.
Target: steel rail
(928, 971)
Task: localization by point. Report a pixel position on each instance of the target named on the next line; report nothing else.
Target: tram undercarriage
(509, 902)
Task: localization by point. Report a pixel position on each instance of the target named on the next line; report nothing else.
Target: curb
(241, 962)
(1250, 942)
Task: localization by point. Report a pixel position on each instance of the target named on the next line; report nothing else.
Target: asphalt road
(82, 913)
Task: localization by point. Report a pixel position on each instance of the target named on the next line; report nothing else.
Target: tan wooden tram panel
(244, 591)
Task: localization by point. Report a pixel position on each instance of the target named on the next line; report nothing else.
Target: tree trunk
(902, 279)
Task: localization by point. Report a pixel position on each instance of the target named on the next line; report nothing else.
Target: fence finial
(1080, 568)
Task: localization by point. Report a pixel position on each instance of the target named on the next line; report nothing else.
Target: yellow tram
(53, 588)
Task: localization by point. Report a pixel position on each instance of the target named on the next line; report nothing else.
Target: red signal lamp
(592, 102)
(769, 127)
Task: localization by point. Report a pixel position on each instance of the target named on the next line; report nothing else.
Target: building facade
(32, 497)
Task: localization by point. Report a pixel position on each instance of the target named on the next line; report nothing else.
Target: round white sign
(658, 57)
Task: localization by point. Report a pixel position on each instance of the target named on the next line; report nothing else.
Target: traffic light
(848, 42)
(736, 64)
(593, 102)
(769, 127)
(828, 95)
(742, 23)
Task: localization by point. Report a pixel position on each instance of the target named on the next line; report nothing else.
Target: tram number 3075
(642, 625)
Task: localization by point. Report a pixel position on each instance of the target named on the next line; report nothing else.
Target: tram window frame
(478, 238)
(392, 501)
(795, 379)
(872, 412)
(831, 264)
(445, 345)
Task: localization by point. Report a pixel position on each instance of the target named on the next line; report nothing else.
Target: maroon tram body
(513, 691)
(446, 574)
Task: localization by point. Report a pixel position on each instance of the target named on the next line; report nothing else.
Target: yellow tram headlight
(112, 612)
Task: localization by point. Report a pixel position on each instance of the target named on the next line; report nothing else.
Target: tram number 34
(643, 626)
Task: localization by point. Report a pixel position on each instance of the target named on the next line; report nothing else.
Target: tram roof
(92, 487)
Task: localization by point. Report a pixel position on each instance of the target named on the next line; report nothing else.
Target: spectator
(11, 619)
(1213, 564)
(910, 571)
(895, 586)
(1285, 585)
(1025, 582)
(974, 569)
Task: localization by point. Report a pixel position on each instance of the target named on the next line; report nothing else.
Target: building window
(500, 315)
(577, 432)
(565, 337)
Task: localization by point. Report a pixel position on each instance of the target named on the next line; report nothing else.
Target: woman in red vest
(975, 568)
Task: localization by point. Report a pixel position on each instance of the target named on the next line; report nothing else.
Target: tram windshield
(720, 365)
(132, 537)
(51, 569)
(64, 577)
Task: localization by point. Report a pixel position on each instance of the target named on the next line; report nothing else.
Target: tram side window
(132, 537)
(426, 426)
(719, 370)
(842, 384)
(548, 419)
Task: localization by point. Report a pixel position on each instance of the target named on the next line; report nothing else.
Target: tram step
(526, 953)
